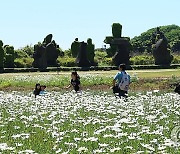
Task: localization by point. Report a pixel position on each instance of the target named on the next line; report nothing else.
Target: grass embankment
(96, 80)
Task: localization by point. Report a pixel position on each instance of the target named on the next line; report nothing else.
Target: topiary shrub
(90, 51)
(9, 56)
(1, 56)
(75, 47)
(116, 30)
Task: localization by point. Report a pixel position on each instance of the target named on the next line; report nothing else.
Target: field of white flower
(88, 122)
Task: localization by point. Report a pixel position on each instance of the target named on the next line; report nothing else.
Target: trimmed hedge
(23, 62)
(142, 60)
(93, 68)
(67, 62)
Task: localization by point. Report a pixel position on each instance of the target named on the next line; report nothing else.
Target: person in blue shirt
(42, 91)
(121, 81)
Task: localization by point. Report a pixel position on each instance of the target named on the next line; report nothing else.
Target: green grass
(70, 121)
(141, 79)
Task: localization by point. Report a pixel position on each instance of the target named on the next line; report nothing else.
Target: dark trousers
(177, 89)
(121, 93)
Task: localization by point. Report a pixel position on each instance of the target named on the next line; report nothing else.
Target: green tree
(143, 42)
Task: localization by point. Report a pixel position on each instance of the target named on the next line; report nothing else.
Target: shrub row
(100, 58)
(94, 68)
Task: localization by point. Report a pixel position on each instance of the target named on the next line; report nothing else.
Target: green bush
(68, 53)
(102, 59)
(176, 59)
(23, 62)
(20, 54)
(28, 49)
(66, 61)
(142, 60)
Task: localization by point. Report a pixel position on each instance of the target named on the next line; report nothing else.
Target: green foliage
(23, 62)
(60, 52)
(20, 54)
(9, 56)
(28, 49)
(1, 55)
(68, 53)
(90, 50)
(112, 50)
(143, 42)
(66, 61)
(102, 58)
(176, 59)
(116, 30)
(142, 60)
(108, 39)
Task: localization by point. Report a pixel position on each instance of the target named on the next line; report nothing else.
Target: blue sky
(29, 21)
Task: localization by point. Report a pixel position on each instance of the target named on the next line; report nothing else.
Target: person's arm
(113, 83)
(69, 86)
(115, 79)
(129, 79)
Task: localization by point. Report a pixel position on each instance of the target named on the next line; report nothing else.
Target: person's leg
(123, 93)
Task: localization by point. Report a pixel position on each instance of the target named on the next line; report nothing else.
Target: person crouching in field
(42, 91)
(123, 80)
(37, 89)
(75, 81)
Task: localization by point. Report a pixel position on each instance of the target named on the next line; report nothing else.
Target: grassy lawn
(89, 123)
(141, 79)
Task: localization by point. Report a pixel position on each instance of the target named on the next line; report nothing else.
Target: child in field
(43, 91)
(37, 89)
(75, 81)
(123, 79)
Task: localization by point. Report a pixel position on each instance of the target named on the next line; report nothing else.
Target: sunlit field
(89, 122)
(141, 80)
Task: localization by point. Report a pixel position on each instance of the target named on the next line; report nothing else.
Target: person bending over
(37, 89)
(75, 81)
